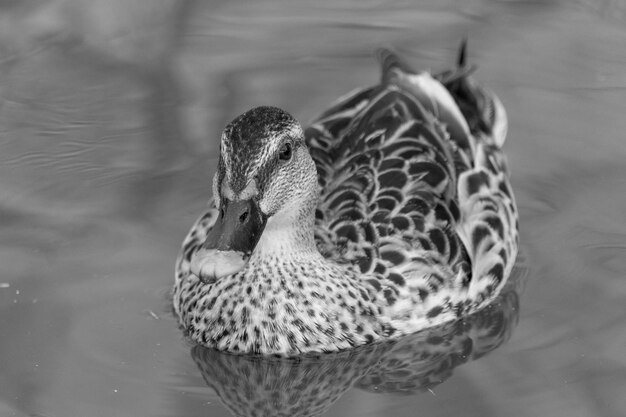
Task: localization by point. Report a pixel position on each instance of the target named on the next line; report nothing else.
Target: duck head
(266, 179)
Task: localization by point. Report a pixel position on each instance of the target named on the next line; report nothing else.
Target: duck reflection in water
(306, 386)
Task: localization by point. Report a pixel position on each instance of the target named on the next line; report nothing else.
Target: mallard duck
(391, 213)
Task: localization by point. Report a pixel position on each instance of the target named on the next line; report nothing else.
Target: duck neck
(288, 234)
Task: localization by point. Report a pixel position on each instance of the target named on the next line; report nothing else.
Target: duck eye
(284, 154)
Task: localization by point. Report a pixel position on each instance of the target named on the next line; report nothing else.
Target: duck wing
(388, 192)
(397, 165)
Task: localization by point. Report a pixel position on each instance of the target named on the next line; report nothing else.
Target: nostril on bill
(243, 216)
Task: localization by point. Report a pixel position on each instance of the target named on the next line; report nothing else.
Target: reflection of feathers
(308, 386)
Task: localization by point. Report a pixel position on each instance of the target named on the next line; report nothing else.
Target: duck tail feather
(461, 72)
(482, 109)
(460, 62)
(391, 64)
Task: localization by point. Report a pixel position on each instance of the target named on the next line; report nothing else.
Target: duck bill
(231, 241)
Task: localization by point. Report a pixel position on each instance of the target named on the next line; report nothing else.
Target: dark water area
(110, 114)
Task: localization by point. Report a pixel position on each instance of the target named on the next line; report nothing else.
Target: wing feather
(388, 194)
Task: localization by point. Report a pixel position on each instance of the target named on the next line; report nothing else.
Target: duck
(391, 213)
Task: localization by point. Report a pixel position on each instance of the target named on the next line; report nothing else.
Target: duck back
(415, 190)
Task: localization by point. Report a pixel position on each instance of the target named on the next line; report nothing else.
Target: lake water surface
(110, 113)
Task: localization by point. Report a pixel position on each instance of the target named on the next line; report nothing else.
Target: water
(110, 113)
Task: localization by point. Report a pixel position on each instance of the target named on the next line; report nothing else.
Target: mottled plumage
(309, 385)
(412, 223)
